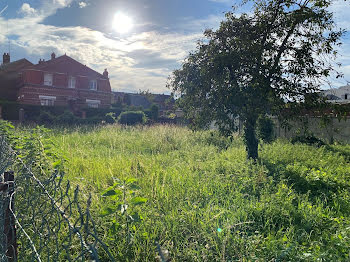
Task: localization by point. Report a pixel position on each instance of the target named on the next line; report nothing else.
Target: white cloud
(62, 3)
(140, 61)
(27, 10)
(83, 4)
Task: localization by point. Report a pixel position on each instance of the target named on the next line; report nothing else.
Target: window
(93, 84)
(346, 96)
(93, 103)
(47, 100)
(71, 82)
(48, 79)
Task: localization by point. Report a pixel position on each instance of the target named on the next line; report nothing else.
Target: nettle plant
(123, 202)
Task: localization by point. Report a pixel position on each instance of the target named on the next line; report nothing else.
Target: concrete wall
(335, 130)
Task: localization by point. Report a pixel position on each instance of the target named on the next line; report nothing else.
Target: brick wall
(32, 88)
(29, 94)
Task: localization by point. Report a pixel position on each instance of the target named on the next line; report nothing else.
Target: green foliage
(122, 205)
(101, 112)
(255, 60)
(46, 118)
(265, 129)
(308, 139)
(152, 113)
(110, 118)
(132, 118)
(292, 205)
(199, 199)
(10, 110)
(67, 118)
(6, 129)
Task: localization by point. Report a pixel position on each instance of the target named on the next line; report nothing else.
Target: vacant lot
(205, 201)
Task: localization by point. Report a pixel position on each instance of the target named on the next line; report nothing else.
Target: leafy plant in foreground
(122, 195)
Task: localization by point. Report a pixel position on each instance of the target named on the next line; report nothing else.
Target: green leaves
(108, 211)
(138, 200)
(112, 193)
(254, 62)
(122, 194)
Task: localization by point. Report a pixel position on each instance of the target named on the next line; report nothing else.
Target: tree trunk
(251, 141)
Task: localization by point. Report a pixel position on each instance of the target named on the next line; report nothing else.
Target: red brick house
(9, 77)
(63, 81)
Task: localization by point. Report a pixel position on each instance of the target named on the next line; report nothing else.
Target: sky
(162, 35)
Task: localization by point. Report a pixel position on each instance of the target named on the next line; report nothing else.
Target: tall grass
(206, 202)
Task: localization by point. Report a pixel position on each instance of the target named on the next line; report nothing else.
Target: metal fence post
(10, 244)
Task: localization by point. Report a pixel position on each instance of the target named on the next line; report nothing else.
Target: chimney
(53, 56)
(6, 58)
(105, 73)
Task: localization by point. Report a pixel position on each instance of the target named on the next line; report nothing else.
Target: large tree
(255, 61)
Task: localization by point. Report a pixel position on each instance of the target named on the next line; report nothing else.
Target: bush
(97, 112)
(132, 118)
(153, 112)
(110, 118)
(67, 118)
(10, 110)
(309, 140)
(45, 118)
(265, 128)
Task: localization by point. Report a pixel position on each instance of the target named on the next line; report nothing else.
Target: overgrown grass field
(195, 197)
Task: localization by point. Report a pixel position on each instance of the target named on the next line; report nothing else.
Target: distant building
(164, 102)
(339, 95)
(60, 81)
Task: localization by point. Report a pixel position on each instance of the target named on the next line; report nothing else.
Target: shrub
(99, 112)
(132, 118)
(265, 129)
(308, 139)
(10, 110)
(67, 118)
(153, 112)
(45, 118)
(110, 118)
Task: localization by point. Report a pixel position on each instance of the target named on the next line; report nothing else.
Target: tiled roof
(67, 65)
(15, 66)
(8, 78)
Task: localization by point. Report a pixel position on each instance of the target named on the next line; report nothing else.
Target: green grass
(206, 202)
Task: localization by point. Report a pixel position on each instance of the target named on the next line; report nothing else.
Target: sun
(122, 23)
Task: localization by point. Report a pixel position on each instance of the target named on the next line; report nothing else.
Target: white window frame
(72, 82)
(48, 79)
(93, 103)
(93, 84)
(47, 100)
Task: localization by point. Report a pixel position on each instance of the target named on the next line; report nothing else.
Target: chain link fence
(42, 218)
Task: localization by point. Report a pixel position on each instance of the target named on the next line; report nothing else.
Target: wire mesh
(52, 223)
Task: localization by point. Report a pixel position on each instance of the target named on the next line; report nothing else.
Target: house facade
(61, 81)
(9, 77)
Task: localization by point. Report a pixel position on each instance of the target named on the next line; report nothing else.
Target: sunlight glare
(122, 23)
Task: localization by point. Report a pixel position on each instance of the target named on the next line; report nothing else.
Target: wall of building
(29, 94)
(32, 81)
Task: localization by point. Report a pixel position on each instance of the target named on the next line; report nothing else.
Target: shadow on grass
(339, 151)
(316, 189)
